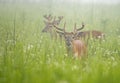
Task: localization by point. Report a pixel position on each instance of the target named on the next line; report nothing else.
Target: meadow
(29, 56)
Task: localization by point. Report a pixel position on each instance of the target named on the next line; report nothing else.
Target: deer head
(69, 35)
(50, 22)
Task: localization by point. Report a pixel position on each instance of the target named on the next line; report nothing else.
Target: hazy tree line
(24, 1)
(61, 1)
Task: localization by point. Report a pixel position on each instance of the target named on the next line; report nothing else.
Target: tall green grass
(29, 56)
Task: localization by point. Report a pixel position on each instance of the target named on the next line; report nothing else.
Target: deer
(75, 46)
(94, 34)
(49, 25)
(91, 34)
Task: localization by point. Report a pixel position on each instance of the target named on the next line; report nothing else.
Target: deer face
(50, 22)
(48, 27)
(68, 38)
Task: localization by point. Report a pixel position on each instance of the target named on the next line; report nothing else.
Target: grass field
(29, 56)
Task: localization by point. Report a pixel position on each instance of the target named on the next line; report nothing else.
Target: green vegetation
(29, 56)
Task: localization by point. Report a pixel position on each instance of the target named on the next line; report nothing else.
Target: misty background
(68, 1)
(91, 12)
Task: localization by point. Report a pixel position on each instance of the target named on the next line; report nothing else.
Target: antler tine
(81, 27)
(58, 28)
(45, 16)
(49, 17)
(54, 18)
(60, 17)
(64, 26)
(60, 32)
(75, 28)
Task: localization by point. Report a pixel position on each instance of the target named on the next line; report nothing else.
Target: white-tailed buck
(50, 21)
(73, 44)
(95, 34)
(91, 34)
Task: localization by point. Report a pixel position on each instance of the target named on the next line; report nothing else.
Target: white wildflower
(66, 55)
(29, 46)
(113, 58)
(74, 67)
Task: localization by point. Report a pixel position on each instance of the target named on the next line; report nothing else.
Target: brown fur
(94, 34)
(79, 48)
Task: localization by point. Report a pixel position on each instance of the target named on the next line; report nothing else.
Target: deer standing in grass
(91, 34)
(49, 25)
(95, 34)
(73, 44)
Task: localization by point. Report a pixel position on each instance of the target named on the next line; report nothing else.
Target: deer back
(91, 34)
(98, 34)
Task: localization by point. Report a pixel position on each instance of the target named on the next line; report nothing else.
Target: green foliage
(29, 56)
